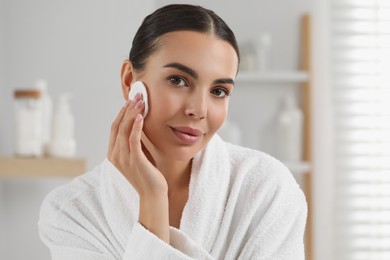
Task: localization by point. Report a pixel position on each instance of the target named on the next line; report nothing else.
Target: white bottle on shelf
(28, 122)
(263, 47)
(63, 143)
(289, 137)
(47, 107)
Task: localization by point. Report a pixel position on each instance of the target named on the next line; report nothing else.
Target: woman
(170, 188)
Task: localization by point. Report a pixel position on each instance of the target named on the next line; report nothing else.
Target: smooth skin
(189, 80)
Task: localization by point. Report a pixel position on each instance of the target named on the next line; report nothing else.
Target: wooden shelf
(41, 167)
(273, 77)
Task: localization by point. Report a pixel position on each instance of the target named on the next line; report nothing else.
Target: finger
(147, 150)
(115, 127)
(125, 127)
(135, 136)
(124, 133)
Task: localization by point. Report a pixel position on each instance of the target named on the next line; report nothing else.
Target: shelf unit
(302, 77)
(298, 168)
(41, 167)
(306, 91)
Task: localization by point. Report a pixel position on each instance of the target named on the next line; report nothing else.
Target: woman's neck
(176, 173)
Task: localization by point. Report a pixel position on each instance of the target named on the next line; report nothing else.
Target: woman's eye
(178, 81)
(220, 92)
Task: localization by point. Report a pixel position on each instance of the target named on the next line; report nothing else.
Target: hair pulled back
(176, 17)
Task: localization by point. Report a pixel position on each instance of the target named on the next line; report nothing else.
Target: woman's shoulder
(81, 189)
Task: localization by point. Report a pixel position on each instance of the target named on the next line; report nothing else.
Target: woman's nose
(196, 105)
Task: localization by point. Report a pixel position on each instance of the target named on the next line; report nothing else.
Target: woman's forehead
(197, 50)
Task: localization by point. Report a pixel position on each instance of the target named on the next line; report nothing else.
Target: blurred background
(313, 91)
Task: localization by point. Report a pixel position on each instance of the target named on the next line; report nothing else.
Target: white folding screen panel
(360, 72)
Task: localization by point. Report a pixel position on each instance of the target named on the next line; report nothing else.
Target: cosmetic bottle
(63, 143)
(289, 131)
(247, 57)
(263, 49)
(28, 122)
(47, 107)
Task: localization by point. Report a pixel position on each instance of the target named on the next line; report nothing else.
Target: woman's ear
(127, 76)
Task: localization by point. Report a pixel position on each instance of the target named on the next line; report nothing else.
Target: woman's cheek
(218, 115)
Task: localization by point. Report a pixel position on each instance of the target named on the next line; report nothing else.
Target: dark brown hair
(176, 17)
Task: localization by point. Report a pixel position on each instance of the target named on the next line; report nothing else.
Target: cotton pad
(139, 87)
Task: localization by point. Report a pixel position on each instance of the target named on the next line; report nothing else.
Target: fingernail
(138, 118)
(139, 104)
(127, 103)
(137, 96)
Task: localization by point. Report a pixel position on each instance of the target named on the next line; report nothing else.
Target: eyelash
(172, 78)
(227, 93)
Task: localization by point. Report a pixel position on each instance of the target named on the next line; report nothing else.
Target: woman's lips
(187, 135)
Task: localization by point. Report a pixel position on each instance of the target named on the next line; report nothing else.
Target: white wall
(78, 46)
(22, 198)
(2, 112)
(2, 64)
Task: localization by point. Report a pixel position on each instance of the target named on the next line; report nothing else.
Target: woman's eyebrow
(193, 73)
(224, 81)
(183, 68)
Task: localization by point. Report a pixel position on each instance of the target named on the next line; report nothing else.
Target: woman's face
(189, 80)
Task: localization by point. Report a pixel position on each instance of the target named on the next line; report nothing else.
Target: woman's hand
(125, 152)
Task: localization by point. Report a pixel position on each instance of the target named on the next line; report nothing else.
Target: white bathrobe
(243, 204)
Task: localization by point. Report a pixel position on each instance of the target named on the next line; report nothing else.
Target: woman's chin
(181, 154)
